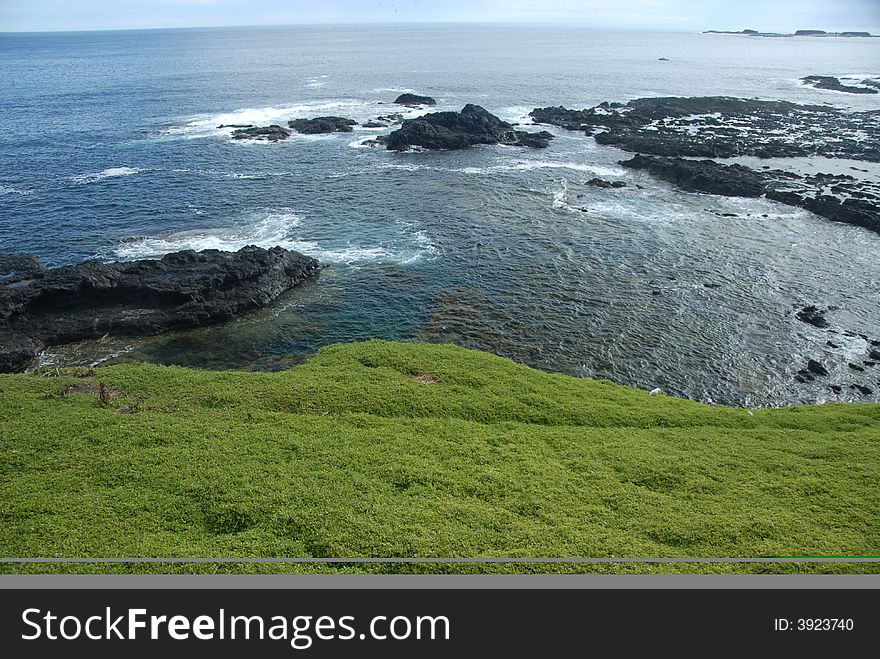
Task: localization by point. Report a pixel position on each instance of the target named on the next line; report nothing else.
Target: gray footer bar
(440, 581)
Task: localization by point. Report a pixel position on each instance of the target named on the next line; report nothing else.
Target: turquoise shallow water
(109, 149)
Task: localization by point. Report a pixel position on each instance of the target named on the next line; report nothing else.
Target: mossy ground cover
(382, 449)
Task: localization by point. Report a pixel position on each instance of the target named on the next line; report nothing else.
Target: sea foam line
(279, 228)
(111, 172)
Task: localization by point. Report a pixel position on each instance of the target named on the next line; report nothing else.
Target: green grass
(351, 455)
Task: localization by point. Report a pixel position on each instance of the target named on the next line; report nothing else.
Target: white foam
(515, 166)
(361, 143)
(272, 228)
(206, 125)
(560, 198)
(316, 81)
(268, 229)
(528, 165)
(10, 190)
(235, 175)
(111, 172)
(515, 114)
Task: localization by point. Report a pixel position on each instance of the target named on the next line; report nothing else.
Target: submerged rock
(320, 125)
(272, 133)
(459, 130)
(181, 290)
(814, 316)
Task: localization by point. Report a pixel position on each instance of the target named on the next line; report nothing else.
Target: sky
(766, 15)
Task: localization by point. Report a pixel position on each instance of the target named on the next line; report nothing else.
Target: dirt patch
(105, 393)
(424, 379)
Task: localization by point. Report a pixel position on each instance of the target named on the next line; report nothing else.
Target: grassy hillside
(411, 450)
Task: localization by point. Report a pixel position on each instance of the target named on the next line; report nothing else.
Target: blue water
(109, 149)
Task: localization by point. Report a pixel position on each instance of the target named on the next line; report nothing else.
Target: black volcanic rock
(560, 116)
(816, 368)
(17, 268)
(272, 133)
(832, 83)
(812, 315)
(180, 290)
(858, 212)
(320, 125)
(602, 183)
(414, 99)
(539, 140)
(740, 181)
(724, 127)
(459, 130)
(702, 175)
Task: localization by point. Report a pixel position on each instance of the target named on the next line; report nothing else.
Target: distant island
(799, 33)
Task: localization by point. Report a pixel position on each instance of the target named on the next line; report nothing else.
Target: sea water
(110, 148)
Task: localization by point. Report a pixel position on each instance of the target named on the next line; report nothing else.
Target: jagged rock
(601, 183)
(702, 175)
(272, 133)
(724, 127)
(740, 181)
(17, 268)
(320, 125)
(539, 140)
(459, 130)
(180, 290)
(394, 118)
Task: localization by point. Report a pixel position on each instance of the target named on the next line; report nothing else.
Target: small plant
(104, 393)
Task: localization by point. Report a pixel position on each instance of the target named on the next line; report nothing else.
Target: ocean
(110, 149)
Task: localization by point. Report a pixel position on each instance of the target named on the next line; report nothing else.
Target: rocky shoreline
(675, 139)
(186, 289)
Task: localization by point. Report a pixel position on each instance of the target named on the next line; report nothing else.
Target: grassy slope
(349, 455)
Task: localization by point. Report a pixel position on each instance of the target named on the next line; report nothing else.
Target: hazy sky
(776, 15)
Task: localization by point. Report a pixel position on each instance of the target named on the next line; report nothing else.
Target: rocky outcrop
(602, 183)
(458, 130)
(272, 133)
(848, 202)
(724, 127)
(414, 99)
(181, 290)
(702, 175)
(834, 84)
(320, 125)
(859, 212)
